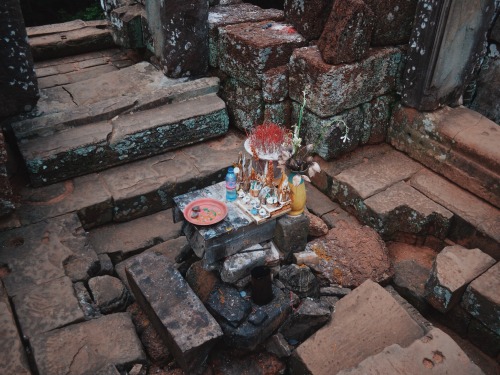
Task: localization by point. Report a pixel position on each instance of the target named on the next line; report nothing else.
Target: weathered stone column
(18, 84)
(180, 35)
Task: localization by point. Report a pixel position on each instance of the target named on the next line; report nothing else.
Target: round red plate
(211, 211)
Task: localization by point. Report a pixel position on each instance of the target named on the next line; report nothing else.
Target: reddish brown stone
(275, 84)
(308, 16)
(317, 227)
(334, 88)
(247, 50)
(393, 21)
(351, 254)
(347, 32)
(202, 282)
(262, 363)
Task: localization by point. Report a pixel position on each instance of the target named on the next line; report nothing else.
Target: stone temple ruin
(110, 127)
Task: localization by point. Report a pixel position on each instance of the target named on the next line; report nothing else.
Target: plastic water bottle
(230, 185)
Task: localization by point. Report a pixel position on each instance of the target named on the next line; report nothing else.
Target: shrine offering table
(236, 232)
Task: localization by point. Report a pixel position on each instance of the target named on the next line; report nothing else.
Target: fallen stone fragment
(87, 305)
(300, 280)
(278, 346)
(310, 316)
(202, 282)
(453, 269)
(308, 17)
(110, 294)
(347, 33)
(482, 298)
(290, 235)
(317, 227)
(436, 352)
(106, 264)
(364, 323)
(46, 307)
(86, 348)
(351, 254)
(308, 258)
(226, 303)
(334, 291)
(240, 264)
(184, 324)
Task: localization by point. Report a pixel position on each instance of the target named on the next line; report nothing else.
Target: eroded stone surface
(435, 352)
(291, 234)
(300, 280)
(347, 33)
(453, 269)
(363, 324)
(176, 312)
(85, 348)
(308, 16)
(310, 315)
(110, 295)
(38, 253)
(351, 254)
(46, 307)
(375, 76)
(482, 300)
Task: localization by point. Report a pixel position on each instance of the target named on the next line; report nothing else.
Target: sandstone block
(226, 304)
(127, 26)
(436, 352)
(351, 254)
(307, 319)
(244, 104)
(308, 16)
(290, 235)
(88, 347)
(454, 268)
(482, 299)
(110, 294)
(240, 264)
(202, 282)
(247, 50)
(317, 202)
(180, 36)
(176, 312)
(364, 323)
(275, 84)
(279, 113)
(377, 115)
(317, 227)
(334, 88)
(401, 208)
(223, 15)
(347, 33)
(393, 21)
(299, 280)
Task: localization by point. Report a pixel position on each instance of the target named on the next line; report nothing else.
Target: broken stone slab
(177, 314)
(247, 50)
(436, 352)
(307, 319)
(290, 235)
(82, 149)
(109, 293)
(347, 33)
(377, 75)
(393, 21)
(223, 15)
(46, 307)
(300, 280)
(351, 254)
(38, 253)
(401, 208)
(249, 334)
(317, 202)
(453, 269)
(476, 222)
(76, 76)
(87, 347)
(87, 305)
(180, 36)
(240, 264)
(482, 301)
(308, 17)
(364, 323)
(86, 195)
(226, 303)
(123, 239)
(13, 359)
(60, 42)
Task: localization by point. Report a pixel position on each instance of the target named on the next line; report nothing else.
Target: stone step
(69, 38)
(135, 189)
(457, 143)
(403, 200)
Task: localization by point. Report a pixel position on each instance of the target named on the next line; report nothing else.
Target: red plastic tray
(211, 211)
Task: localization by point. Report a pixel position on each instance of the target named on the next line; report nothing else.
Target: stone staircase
(114, 118)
